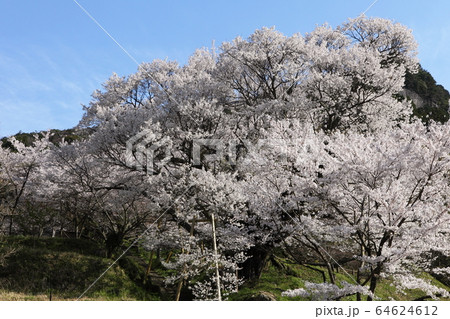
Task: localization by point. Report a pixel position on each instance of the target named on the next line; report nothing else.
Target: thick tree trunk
(253, 266)
(113, 242)
(373, 286)
(374, 281)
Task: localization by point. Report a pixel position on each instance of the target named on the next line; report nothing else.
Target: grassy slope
(64, 268)
(276, 280)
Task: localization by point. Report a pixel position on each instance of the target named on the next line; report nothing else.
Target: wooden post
(192, 226)
(194, 221)
(149, 267)
(168, 256)
(180, 284)
(219, 296)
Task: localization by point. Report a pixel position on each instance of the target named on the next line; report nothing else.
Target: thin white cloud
(15, 77)
(42, 89)
(26, 114)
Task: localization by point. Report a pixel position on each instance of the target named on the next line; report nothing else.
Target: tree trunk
(373, 286)
(374, 281)
(331, 273)
(149, 267)
(253, 266)
(113, 242)
(10, 225)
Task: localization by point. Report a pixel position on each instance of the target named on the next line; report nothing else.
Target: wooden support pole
(219, 296)
(168, 256)
(149, 267)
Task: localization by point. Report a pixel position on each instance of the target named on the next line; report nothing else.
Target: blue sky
(52, 56)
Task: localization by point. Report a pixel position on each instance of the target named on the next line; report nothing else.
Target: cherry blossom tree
(109, 203)
(337, 79)
(22, 170)
(355, 71)
(381, 198)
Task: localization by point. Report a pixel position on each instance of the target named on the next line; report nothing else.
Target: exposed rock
(261, 296)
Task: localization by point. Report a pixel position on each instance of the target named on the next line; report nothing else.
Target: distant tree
(106, 202)
(21, 169)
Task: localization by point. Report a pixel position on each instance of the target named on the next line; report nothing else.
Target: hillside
(61, 269)
(56, 136)
(430, 100)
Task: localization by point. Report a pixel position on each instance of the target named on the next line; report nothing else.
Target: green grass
(56, 244)
(385, 289)
(275, 280)
(65, 268)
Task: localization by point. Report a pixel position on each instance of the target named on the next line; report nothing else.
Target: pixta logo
(147, 152)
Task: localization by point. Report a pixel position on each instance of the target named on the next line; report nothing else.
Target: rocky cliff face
(430, 100)
(414, 97)
(420, 102)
